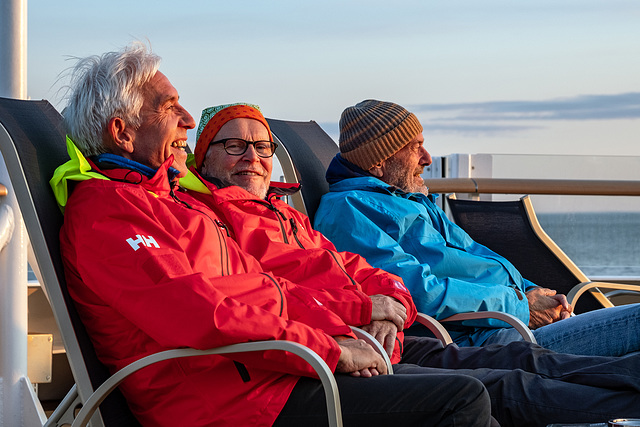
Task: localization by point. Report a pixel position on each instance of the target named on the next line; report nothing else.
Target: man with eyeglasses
(528, 385)
(230, 130)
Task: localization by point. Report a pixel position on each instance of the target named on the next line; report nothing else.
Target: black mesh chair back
(505, 228)
(311, 150)
(34, 149)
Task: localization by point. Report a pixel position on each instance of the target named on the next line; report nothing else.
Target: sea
(602, 244)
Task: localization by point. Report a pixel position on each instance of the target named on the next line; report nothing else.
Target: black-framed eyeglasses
(237, 147)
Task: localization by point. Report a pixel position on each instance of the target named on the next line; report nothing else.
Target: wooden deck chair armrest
(435, 327)
(319, 365)
(581, 288)
(365, 336)
(516, 323)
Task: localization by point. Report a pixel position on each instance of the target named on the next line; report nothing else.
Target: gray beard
(398, 176)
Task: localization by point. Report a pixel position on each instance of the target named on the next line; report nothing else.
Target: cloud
(583, 107)
(480, 118)
(463, 129)
(475, 129)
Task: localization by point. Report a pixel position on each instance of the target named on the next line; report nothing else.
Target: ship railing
(534, 186)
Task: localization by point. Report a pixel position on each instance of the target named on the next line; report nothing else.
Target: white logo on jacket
(400, 286)
(142, 240)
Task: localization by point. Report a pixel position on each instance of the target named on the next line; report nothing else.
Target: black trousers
(407, 398)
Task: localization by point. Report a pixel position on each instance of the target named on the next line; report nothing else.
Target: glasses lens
(235, 146)
(264, 148)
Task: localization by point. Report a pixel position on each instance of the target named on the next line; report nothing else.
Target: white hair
(104, 87)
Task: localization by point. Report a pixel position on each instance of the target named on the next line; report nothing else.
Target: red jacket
(283, 241)
(151, 271)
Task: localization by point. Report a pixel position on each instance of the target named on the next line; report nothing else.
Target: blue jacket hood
(340, 168)
(343, 175)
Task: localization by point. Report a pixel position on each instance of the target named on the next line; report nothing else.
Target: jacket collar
(107, 167)
(117, 168)
(112, 161)
(343, 175)
(280, 189)
(340, 169)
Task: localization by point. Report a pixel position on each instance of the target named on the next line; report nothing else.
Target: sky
(491, 76)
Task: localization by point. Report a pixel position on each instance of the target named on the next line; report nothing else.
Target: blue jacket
(410, 236)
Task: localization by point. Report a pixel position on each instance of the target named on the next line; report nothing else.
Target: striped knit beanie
(372, 131)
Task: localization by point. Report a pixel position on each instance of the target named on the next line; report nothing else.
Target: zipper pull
(178, 200)
(294, 227)
(223, 226)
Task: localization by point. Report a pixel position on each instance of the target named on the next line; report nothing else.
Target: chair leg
(64, 414)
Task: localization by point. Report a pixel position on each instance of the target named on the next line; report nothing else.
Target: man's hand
(546, 307)
(359, 359)
(384, 332)
(387, 308)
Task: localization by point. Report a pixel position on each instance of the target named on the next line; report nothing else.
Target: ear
(122, 135)
(377, 170)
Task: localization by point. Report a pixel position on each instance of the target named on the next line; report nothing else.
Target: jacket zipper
(353, 282)
(279, 290)
(224, 250)
(280, 218)
(294, 229)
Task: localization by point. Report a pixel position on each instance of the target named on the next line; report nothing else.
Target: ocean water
(600, 243)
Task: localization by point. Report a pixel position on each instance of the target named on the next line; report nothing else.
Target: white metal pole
(13, 311)
(13, 48)
(13, 258)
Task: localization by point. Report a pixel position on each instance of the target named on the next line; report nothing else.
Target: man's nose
(187, 120)
(425, 157)
(251, 154)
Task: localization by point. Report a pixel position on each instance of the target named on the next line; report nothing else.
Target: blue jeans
(606, 332)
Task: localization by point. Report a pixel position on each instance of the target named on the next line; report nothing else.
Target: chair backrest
(310, 149)
(511, 229)
(32, 141)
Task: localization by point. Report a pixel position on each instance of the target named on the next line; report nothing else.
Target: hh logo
(141, 240)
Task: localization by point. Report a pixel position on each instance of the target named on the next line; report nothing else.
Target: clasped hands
(358, 358)
(546, 306)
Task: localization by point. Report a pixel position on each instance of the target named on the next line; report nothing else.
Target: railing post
(13, 258)
(13, 307)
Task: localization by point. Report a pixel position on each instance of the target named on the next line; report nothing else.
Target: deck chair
(32, 143)
(308, 150)
(512, 230)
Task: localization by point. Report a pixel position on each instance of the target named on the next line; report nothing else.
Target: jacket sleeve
(376, 281)
(309, 265)
(439, 297)
(158, 292)
(372, 281)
